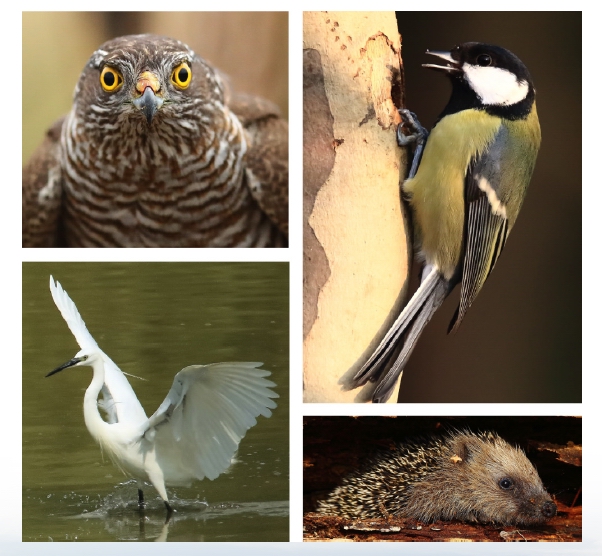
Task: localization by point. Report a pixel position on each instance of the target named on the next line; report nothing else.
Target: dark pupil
(109, 79)
(484, 60)
(505, 483)
(183, 75)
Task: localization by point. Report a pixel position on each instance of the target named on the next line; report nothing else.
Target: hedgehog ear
(462, 450)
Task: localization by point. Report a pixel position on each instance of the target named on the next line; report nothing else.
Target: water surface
(152, 319)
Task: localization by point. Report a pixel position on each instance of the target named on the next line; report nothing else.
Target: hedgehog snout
(548, 509)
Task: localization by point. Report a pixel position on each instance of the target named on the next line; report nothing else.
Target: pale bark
(356, 245)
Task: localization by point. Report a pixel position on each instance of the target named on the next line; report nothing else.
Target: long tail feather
(388, 360)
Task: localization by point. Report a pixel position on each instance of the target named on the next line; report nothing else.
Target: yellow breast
(436, 193)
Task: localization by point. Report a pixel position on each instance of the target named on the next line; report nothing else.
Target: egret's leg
(169, 512)
(155, 476)
(140, 499)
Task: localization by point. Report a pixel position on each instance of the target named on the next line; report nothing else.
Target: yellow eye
(110, 79)
(181, 75)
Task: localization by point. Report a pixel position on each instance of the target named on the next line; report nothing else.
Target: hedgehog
(464, 476)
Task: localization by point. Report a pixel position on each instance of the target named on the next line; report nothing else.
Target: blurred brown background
(521, 340)
(250, 47)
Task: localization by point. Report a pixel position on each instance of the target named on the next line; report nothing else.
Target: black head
(486, 77)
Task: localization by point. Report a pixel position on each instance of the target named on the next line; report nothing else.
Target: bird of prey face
(157, 153)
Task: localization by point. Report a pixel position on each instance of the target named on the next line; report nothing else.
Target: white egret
(196, 430)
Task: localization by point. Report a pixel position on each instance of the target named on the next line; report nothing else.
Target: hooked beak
(69, 363)
(452, 65)
(148, 86)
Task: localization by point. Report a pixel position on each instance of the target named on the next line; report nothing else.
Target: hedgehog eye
(506, 483)
(484, 60)
(110, 79)
(181, 75)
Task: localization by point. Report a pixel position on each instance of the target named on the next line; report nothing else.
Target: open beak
(69, 363)
(452, 65)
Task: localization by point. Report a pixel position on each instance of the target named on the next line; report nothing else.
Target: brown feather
(177, 169)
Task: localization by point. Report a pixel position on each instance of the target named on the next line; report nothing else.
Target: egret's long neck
(94, 422)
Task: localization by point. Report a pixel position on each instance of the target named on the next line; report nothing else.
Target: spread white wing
(197, 428)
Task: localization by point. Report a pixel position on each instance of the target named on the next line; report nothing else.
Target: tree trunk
(356, 240)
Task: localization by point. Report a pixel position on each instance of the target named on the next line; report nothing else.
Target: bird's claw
(418, 134)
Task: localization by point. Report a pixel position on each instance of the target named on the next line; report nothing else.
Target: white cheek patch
(495, 86)
(497, 207)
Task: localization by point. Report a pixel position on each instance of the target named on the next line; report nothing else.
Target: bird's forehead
(468, 53)
(140, 51)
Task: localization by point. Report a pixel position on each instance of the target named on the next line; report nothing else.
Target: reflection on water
(118, 516)
(152, 320)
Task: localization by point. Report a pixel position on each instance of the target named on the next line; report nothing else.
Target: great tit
(466, 193)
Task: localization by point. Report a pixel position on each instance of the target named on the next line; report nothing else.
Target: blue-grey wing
(486, 224)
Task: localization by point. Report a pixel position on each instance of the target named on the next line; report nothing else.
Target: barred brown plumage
(465, 476)
(158, 158)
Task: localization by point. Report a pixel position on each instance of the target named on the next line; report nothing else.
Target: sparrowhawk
(156, 152)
